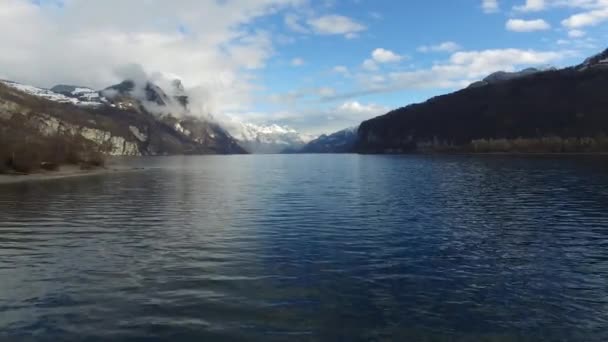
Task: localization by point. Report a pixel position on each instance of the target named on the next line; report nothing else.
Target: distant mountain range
(531, 111)
(265, 139)
(339, 142)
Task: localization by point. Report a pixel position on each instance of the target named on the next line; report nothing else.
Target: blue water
(311, 248)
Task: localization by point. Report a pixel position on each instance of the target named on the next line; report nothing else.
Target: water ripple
(311, 248)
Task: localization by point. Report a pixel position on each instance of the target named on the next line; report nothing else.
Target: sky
(314, 65)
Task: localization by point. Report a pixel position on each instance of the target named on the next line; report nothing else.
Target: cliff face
(550, 111)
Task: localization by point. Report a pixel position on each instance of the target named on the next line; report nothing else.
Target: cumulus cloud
(210, 45)
(521, 25)
(365, 111)
(589, 18)
(490, 6)
(381, 56)
(385, 56)
(336, 25)
(532, 6)
(441, 47)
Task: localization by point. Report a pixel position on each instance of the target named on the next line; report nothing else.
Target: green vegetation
(542, 145)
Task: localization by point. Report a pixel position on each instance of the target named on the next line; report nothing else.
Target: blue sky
(406, 28)
(317, 66)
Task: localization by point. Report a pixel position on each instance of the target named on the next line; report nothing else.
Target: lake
(311, 247)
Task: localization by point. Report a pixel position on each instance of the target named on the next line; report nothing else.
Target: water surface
(307, 248)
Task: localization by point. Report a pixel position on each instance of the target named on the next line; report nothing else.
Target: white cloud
(460, 70)
(490, 6)
(532, 6)
(441, 47)
(590, 18)
(336, 25)
(479, 63)
(576, 33)
(297, 62)
(385, 56)
(210, 45)
(293, 23)
(362, 111)
(521, 25)
(313, 122)
(370, 65)
(340, 69)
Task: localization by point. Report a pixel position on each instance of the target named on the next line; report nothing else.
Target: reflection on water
(311, 248)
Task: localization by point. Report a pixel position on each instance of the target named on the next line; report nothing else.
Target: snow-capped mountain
(339, 142)
(140, 116)
(77, 96)
(82, 94)
(267, 139)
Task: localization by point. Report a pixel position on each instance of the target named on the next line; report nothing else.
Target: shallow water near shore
(311, 247)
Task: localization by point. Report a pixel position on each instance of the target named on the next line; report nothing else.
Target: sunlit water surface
(351, 248)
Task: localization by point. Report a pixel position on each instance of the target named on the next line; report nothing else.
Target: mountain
(265, 139)
(548, 111)
(59, 97)
(502, 76)
(339, 142)
(125, 119)
(598, 61)
(83, 95)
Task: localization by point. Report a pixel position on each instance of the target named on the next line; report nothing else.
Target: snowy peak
(83, 94)
(179, 93)
(148, 92)
(266, 139)
(149, 96)
(84, 98)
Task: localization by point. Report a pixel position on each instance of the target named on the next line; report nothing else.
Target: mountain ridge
(118, 125)
(548, 111)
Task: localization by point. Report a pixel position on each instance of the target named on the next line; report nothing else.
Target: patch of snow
(178, 127)
(271, 138)
(79, 91)
(50, 95)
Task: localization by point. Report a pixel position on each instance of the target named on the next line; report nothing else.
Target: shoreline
(488, 154)
(63, 173)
